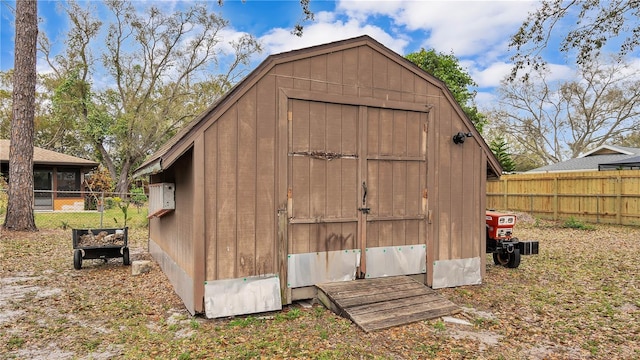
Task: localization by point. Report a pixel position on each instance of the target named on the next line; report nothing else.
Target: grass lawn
(578, 299)
(109, 218)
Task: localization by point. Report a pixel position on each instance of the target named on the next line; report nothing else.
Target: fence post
(531, 204)
(597, 209)
(506, 194)
(555, 198)
(101, 207)
(619, 200)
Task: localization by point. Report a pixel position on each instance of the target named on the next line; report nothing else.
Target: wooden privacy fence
(596, 196)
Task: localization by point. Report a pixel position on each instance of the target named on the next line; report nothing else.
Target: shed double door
(357, 178)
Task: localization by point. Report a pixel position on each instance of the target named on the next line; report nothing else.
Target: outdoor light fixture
(459, 137)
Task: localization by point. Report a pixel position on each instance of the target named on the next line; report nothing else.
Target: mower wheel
(514, 259)
(500, 259)
(510, 260)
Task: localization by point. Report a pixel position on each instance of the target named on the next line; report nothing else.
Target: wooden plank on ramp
(381, 303)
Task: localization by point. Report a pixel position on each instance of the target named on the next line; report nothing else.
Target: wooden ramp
(381, 303)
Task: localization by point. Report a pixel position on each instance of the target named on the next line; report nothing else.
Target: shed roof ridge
(180, 142)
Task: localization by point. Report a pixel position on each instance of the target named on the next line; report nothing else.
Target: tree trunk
(20, 207)
(122, 187)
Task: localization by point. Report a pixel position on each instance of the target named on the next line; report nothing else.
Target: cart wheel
(77, 259)
(514, 259)
(125, 256)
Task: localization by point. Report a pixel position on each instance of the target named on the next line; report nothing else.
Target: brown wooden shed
(328, 163)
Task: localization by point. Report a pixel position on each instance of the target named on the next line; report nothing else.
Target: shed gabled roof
(183, 140)
(46, 157)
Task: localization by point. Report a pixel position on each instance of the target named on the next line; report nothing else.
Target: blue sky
(477, 32)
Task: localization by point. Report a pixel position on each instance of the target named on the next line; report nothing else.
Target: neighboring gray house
(605, 157)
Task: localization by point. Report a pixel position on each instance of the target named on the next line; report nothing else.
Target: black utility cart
(100, 244)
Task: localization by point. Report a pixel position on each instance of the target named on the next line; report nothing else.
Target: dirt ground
(578, 299)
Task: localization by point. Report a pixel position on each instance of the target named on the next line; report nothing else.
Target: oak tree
(556, 121)
(160, 69)
(595, 24)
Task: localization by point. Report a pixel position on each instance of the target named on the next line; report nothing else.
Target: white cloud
(464, 27)
(280, 40)
(485, 100)
(492, 75)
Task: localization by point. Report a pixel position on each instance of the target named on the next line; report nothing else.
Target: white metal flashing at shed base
(457, 272)
(248, 295)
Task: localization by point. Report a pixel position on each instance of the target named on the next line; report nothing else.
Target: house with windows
(57, 178)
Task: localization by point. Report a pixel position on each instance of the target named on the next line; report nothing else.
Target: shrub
(574, 223)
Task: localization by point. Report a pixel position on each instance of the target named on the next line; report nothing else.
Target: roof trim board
(606, 149)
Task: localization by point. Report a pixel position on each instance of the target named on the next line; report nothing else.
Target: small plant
(324, 334)
(592, 346)
(184, 356)
(124, 207)
(482, 322)
(574, 223)
(195, 325)
(15, 342)
(243, 322)
(138, 197)
(91, 345)
(64, 224)
(431, 349)
(290, 315)
(439, 326)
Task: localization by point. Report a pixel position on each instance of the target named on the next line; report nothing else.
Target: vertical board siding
(178, 224)
(334, 73)
(211, 173)
(318, 73)
(302, 74)
(198, 259)
(408, 85)
(265, 177)
(380, 76)
(395, 80)
(458, 154)
(350, 72)
(246, 183)
(468, 202)
(365, 71)
(227, 195)
(444, 184)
